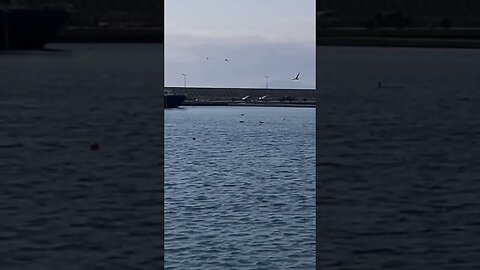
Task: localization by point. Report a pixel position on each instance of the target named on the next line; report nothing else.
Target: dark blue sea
(398, 167)
(62, 205)
(239, 188)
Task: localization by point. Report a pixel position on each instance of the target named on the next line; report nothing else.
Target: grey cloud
(249, 61)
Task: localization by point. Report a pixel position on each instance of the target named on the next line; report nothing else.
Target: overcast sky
(258, 37)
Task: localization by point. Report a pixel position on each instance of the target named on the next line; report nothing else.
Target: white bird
(296, 78)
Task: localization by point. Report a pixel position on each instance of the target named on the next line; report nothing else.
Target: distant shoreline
(356, 37)
(408, 37)
(110, 35)
(399, 42)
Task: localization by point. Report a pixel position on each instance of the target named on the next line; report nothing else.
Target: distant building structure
(405, 13)
(338, 13)
(142, 20)
(110, 13)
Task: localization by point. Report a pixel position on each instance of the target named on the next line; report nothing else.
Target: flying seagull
(296, 78)
(226, 60)
(207, 58)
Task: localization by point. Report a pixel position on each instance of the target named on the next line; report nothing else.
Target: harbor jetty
(205, 96)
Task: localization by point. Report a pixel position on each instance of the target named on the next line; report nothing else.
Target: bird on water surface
(94, 146)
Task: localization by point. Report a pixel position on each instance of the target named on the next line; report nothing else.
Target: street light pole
(266, 81)
(184, 80)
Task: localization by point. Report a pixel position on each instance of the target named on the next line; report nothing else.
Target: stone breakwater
(234, 96)
(116, 35)
(467, 37)
(226, 94)
(392, 37)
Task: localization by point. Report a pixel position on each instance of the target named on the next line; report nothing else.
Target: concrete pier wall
(226, 94)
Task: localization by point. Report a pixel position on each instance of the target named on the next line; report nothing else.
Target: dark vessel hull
(173, 101)
(28, 29)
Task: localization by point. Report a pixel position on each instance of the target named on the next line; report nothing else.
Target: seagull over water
(296, 78)
(226, 60)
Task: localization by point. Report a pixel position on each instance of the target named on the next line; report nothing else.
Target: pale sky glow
(259, 37)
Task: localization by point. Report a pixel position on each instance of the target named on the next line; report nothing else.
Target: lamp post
(184, 80)
(266, 81)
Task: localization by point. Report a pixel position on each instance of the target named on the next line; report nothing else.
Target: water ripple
(244, 198)
(398, 170)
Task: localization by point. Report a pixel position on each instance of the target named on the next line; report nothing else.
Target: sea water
(240, 188)
(62, 205)
(398, 166)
